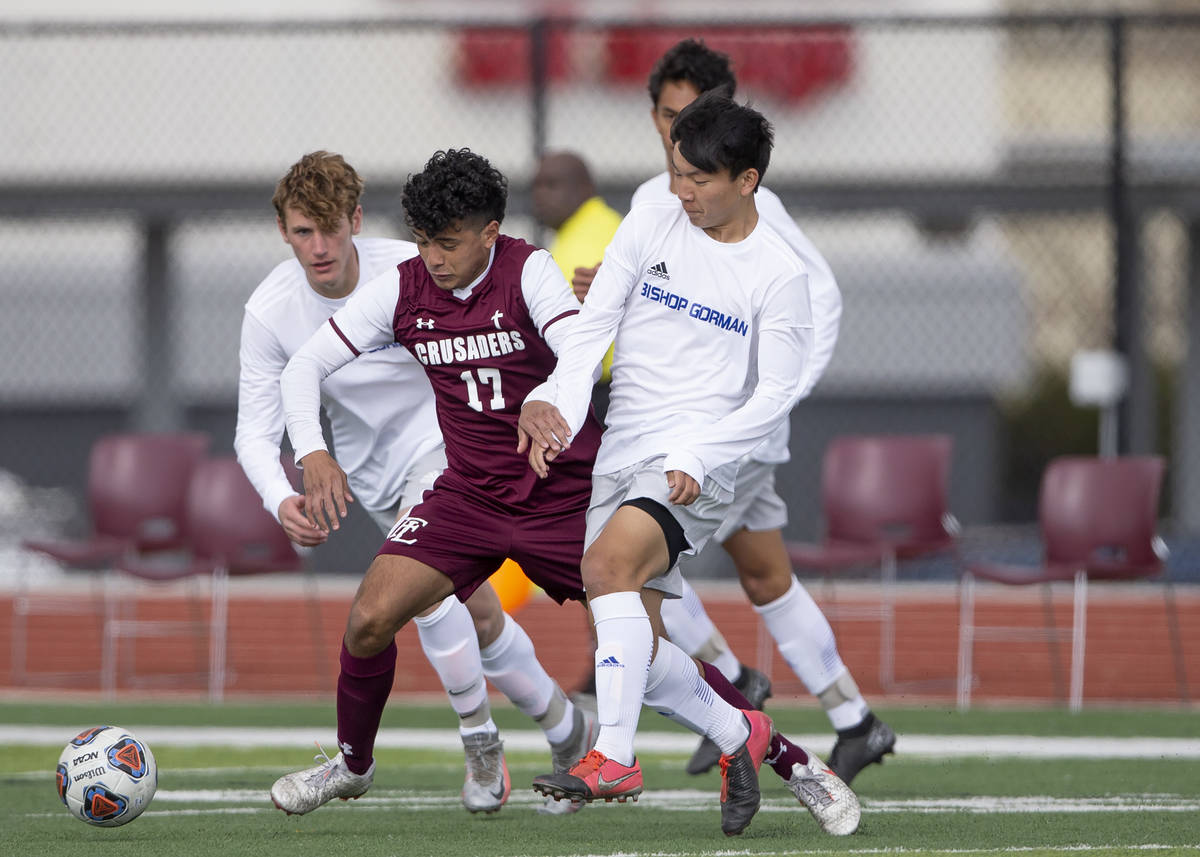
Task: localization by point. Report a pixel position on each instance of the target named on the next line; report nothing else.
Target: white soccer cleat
(487, 785)
(306, 790)
(831, 802)
(584, 732)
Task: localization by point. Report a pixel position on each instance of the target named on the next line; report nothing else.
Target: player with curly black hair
(456, 183)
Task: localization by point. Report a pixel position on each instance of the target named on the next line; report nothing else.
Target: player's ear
(490, 233)
(356, 220)
(282, 229)
(747, 181)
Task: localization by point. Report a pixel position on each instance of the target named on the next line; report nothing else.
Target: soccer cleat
(487, 785)
(851, 755)
(827, 797)
(583, 736)
(740, 796)
(756, 687)
(306, 790)
(594, 777)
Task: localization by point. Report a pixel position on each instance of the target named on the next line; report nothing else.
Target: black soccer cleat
(756, 687)
(864, 745)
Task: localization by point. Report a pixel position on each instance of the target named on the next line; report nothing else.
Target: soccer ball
(106, 776)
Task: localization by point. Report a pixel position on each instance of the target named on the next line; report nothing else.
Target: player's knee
(369, 629)
(488, 625)
(762, 583)
(604, 573)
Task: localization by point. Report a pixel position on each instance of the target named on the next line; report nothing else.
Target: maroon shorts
(465, 537)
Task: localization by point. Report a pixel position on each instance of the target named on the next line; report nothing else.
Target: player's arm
(260, 428)
(785, 344)
(824, 295)
(362, 324)
(555, 410)
(582, 340)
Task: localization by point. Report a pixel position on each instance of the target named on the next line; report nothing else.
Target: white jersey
(712, 344)
(381, 409)
(823, 292)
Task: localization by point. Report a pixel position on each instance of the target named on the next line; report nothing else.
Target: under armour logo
(496, 318)
(346, 749)
(426, 323)
(403, 527)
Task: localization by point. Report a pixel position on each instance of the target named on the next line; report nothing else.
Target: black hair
(693, 62)
(716, 134)
(456, 186)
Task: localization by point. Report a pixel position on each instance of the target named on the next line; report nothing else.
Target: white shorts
(756, 506)
(419, 479)
(699, 520)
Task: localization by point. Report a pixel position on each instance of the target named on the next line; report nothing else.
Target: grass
(212, 801)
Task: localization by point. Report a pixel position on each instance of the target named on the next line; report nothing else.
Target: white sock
(843, 704)
(675, 689)
(690, 628)
(624, 642)
(510, 663)
(804, 637)
(448, 639)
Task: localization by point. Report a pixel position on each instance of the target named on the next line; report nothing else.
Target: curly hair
(456, 185)
(692, 61)
(322, 186)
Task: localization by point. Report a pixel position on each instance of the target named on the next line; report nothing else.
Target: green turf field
(212, 800)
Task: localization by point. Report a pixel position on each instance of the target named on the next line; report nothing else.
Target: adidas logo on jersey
(659, 270)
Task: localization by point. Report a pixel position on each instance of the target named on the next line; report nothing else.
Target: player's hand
(297, 527)
(542, 431)
(326, 491)
(581, 281)
(684, 489)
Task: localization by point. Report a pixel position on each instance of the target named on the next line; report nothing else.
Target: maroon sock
(362, 692)
(783, 752)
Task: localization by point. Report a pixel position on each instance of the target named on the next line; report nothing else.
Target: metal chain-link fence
(968, 180)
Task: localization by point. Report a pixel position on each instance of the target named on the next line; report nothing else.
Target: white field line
(242, 801)
(688, 800)
(923, 746)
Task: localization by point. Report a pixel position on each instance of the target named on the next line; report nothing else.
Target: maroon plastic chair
(884, 499)
(1098, 519)
(136, 490)
(227, 532)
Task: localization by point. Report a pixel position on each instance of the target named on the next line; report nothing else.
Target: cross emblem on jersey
(426, 323)
(496, 316)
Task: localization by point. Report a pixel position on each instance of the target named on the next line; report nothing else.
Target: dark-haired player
(752, 533)
(383, 423)
(709, 309)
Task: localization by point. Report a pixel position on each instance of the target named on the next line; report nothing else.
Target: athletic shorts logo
(405, 527)
(659, 270)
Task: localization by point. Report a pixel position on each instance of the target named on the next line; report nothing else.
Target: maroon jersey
(483, 356)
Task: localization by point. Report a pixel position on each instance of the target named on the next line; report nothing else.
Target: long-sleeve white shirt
(381, 409)
(824, 295)
(712, 344)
